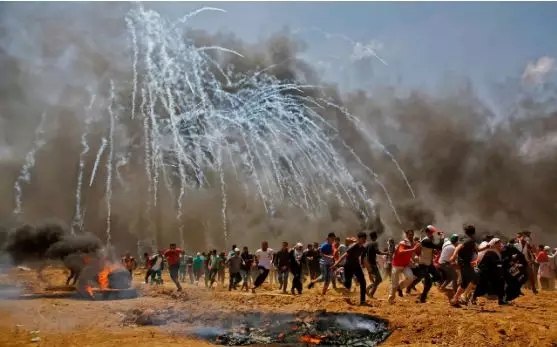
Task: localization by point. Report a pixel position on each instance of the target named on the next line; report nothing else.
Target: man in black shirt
(371, 252)
(282, 264)
(426, 270)
(353, 266)
(463, 254)
(311, 257)
(245, 269)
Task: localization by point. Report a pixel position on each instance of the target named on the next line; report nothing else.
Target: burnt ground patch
(256, 328)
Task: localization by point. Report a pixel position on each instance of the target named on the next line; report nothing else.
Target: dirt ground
(530, 321)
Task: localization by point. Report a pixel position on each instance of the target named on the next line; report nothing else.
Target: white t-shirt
(446, 252)
(157, 265)
(482, 253)
(265, 257)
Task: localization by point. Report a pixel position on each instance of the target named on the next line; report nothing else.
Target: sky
(422, 43)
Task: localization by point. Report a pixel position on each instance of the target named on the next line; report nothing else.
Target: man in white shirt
(264, 261)
(445, 265)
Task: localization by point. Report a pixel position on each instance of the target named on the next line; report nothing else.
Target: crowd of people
(465, 268)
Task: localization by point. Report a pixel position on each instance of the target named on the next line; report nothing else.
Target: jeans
(283, 278)
(375, 277)
(326, 274)
(246, 277)
(174, 270)
(235, 278)
(156, 276)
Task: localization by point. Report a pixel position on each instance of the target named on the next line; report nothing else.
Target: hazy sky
(421, 42)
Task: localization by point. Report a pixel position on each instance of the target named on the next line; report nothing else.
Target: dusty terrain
(530, 321)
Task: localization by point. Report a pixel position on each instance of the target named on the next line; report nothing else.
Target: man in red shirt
(172, 255)
(401, 264)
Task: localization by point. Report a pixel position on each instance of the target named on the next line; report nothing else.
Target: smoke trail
(109, 165)
(25, 175)
(79, 215)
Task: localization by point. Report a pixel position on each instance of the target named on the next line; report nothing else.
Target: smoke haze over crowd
(467, 161)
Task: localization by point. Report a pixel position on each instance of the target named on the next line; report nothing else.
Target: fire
(103, 275)
(89, 290)
(310, 339)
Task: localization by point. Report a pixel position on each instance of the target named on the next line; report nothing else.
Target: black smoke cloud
(465, 162)
(50, 240)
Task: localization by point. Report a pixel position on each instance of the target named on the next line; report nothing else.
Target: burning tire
(119, 279)
(108, 280)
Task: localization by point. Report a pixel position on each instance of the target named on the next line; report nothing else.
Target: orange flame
(103, 275)
(310, 339)
(89, 290)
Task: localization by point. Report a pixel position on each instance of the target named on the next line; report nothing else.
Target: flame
(103, 275)
(310, 339)
(89, 290)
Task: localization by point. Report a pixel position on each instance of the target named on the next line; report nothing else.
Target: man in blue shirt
(325, 263)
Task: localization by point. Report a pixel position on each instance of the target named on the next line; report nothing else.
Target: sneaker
(391, 299)
(400, 292)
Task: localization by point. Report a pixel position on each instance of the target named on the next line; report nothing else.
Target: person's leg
(466, 274)
(395, 278)
(207, 277)
(376, 281)
(428, 282)
(147, 275)
(388, 270)
(328, 275)
(408, 277)
(212, 277)
(454, 278)
(321, 276)
(174, 276)
(231, 282)
(532, 277)
(348, 276)
(263, 273)
(419, 274)
(243, 274)
(362, 281)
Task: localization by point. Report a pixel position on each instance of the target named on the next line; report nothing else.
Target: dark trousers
(428, 273)
(351, 270)
(235, 278)
(174, 273)
(314, 271)
(147, 275)
(197, 274)
(297, 280)
(263, 273)
(213, 275)
(375, 275)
